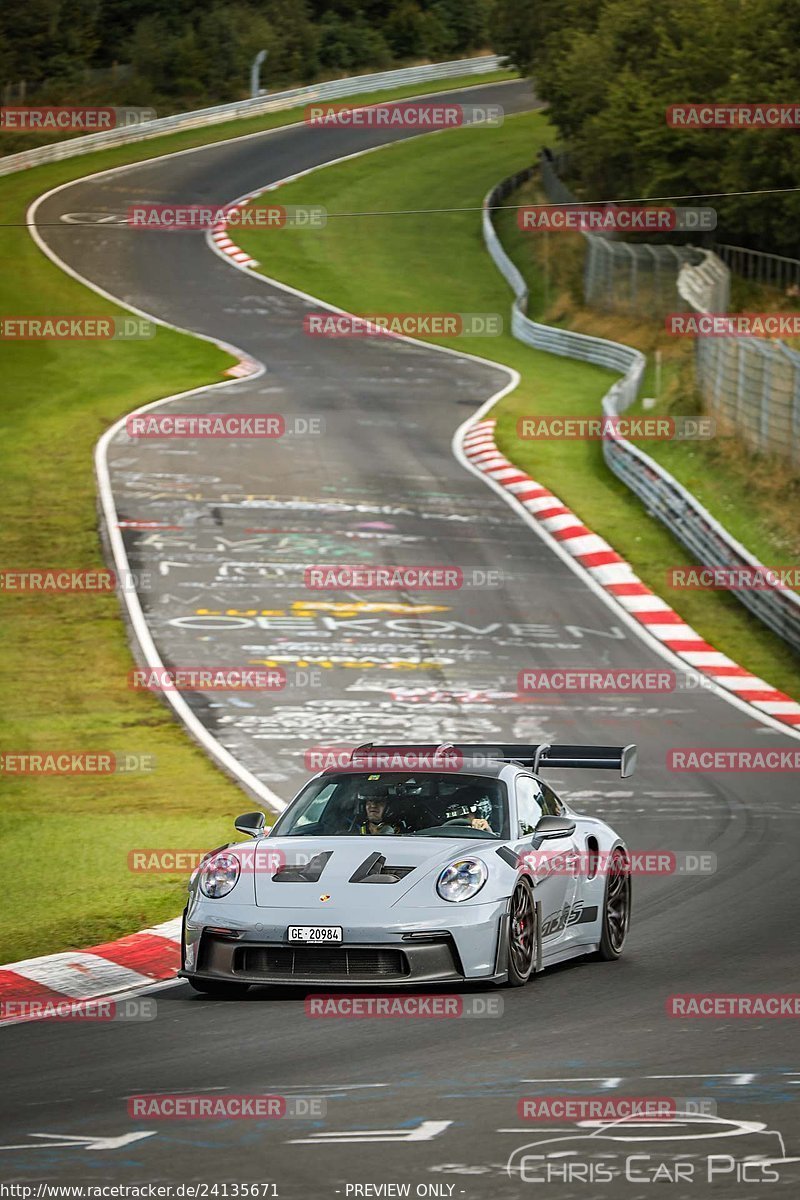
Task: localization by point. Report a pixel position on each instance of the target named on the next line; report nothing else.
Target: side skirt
(564, 953)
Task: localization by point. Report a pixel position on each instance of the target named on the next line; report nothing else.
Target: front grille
(321, 962)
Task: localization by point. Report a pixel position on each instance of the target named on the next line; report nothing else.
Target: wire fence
(628, 277)
(771, 270)
(750, 385)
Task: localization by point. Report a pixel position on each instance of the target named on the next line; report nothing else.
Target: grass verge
(65, 658)
(754, 497)
(436, 262)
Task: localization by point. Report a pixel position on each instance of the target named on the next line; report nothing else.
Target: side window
(551, 805)
(529, 804)
(316, 807)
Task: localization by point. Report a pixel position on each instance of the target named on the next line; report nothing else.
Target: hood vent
(374, 870)
(309, 873)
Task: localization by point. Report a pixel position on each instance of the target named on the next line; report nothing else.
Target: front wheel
(521, 936)
(616, 907)
(221, 988)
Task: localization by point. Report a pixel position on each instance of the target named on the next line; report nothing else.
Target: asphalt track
(382, 486)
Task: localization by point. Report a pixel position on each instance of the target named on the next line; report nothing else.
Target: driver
(374, 799)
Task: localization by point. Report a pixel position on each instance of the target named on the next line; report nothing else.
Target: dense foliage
(178, 54)
(610, 68)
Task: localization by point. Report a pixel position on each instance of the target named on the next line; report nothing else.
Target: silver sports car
(414, 865)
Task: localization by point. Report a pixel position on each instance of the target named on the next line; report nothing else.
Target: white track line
(210, 744)
(591, 580)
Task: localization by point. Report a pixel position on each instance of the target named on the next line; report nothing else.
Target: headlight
(462, 880)
(218, 875)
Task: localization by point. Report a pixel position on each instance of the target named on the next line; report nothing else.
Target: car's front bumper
(249, 945)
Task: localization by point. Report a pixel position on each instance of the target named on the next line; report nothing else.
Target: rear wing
(604, 758)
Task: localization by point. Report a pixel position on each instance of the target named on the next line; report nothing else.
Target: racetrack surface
(382, 486)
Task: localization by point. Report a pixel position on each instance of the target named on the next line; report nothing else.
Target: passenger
(472, 797)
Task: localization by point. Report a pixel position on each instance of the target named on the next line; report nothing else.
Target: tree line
(609, 69)
(180, 54)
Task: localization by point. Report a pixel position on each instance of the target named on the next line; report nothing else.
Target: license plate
(315, 933)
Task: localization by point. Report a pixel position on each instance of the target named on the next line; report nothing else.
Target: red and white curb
(226, 245)
(617, 578)
(77, 976)
(244, 367)
(221, 239)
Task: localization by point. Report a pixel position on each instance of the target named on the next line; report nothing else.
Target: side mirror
(252, 824)
(554, 827)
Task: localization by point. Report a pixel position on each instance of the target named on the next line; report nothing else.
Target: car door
(556, 886)
(579, 910)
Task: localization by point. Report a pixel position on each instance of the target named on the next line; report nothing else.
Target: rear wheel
(221, 988)
(521, 936)
(616, 907)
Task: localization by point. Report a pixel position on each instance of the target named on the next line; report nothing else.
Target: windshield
(425, 804)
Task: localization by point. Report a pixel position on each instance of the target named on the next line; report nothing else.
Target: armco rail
(664, 497)
(331, 90)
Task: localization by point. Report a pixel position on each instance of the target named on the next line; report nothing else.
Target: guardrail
(705, 284)
(332, 90)
(614, 355)
(666, 499)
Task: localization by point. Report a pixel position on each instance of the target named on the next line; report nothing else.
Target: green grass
(65, 658)
(755, 498)
(437, 262)
(12, 142)
(42, 178)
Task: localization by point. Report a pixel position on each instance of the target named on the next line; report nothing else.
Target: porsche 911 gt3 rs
(411, 865)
